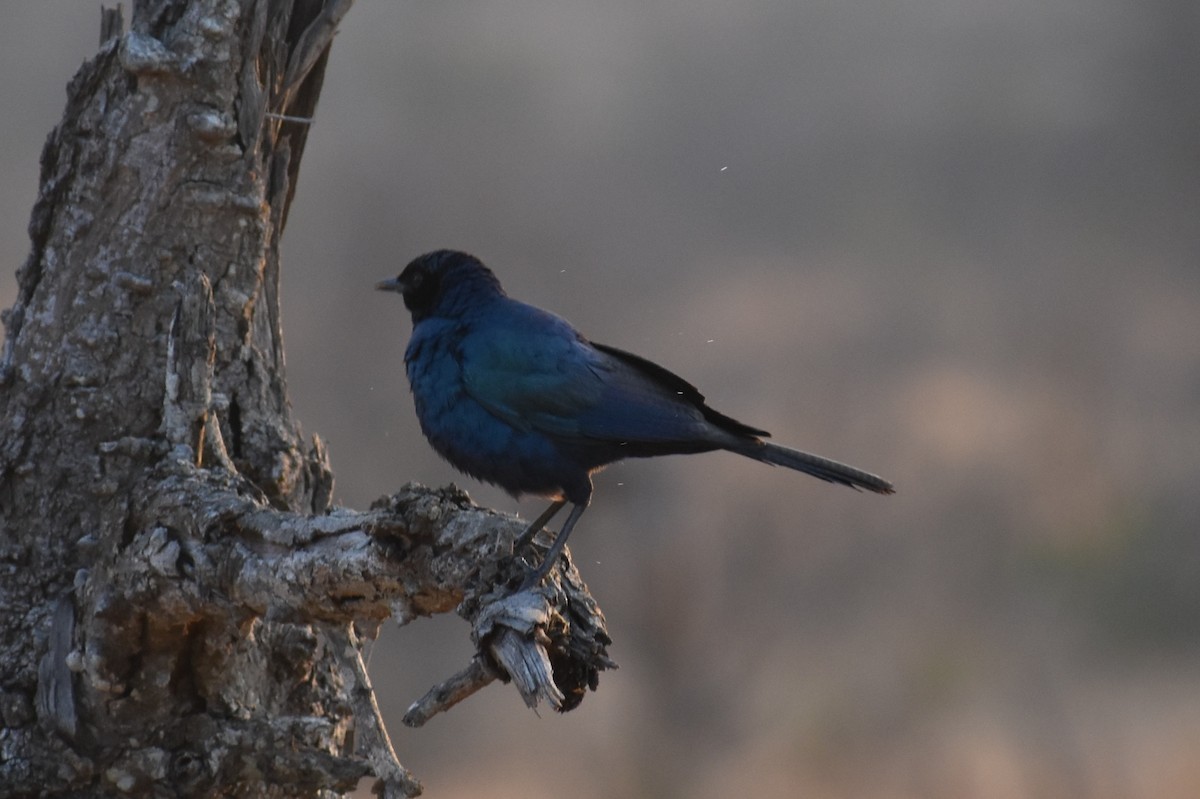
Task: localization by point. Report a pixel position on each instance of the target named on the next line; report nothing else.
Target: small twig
(313, 42)
(111, 23)
(290, 118)
(478, 674)
(371, 738)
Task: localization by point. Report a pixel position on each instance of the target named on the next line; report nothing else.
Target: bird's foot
(556, 545)
(527, 569)
(531, 581)
(533, 575)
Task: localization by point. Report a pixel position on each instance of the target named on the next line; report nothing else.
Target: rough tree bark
(180, 609)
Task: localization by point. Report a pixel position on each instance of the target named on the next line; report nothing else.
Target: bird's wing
(535, 371)
(662, 387)
(529, 368)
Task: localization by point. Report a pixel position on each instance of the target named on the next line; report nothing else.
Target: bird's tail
(821, 468)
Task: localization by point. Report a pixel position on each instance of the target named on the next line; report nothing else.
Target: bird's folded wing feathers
(544, 376)
(531, 378)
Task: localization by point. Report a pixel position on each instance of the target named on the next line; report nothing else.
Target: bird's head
(442, 282)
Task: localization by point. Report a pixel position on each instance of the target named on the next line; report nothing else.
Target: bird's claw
(533, 575)
(528, 571)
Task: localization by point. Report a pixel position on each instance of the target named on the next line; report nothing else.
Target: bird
(513, 395)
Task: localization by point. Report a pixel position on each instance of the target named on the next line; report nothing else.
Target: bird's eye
(420, 289)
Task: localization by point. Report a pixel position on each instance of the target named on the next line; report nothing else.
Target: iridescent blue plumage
(515, 396)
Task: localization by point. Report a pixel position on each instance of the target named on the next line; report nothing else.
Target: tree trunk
(180, 610)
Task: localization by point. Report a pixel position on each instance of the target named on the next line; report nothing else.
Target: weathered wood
(180, 608)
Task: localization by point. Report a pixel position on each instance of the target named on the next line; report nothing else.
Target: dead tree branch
(182, 611)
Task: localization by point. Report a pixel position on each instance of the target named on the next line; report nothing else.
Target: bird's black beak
(393, 284)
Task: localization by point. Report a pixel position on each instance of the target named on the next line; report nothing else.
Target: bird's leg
(557, 547)
(532, 530)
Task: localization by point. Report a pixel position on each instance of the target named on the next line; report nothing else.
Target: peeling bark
(181, 612)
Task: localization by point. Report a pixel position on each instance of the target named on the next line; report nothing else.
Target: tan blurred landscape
(953, 242)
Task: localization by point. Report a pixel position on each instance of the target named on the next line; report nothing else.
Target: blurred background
(955, 242)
